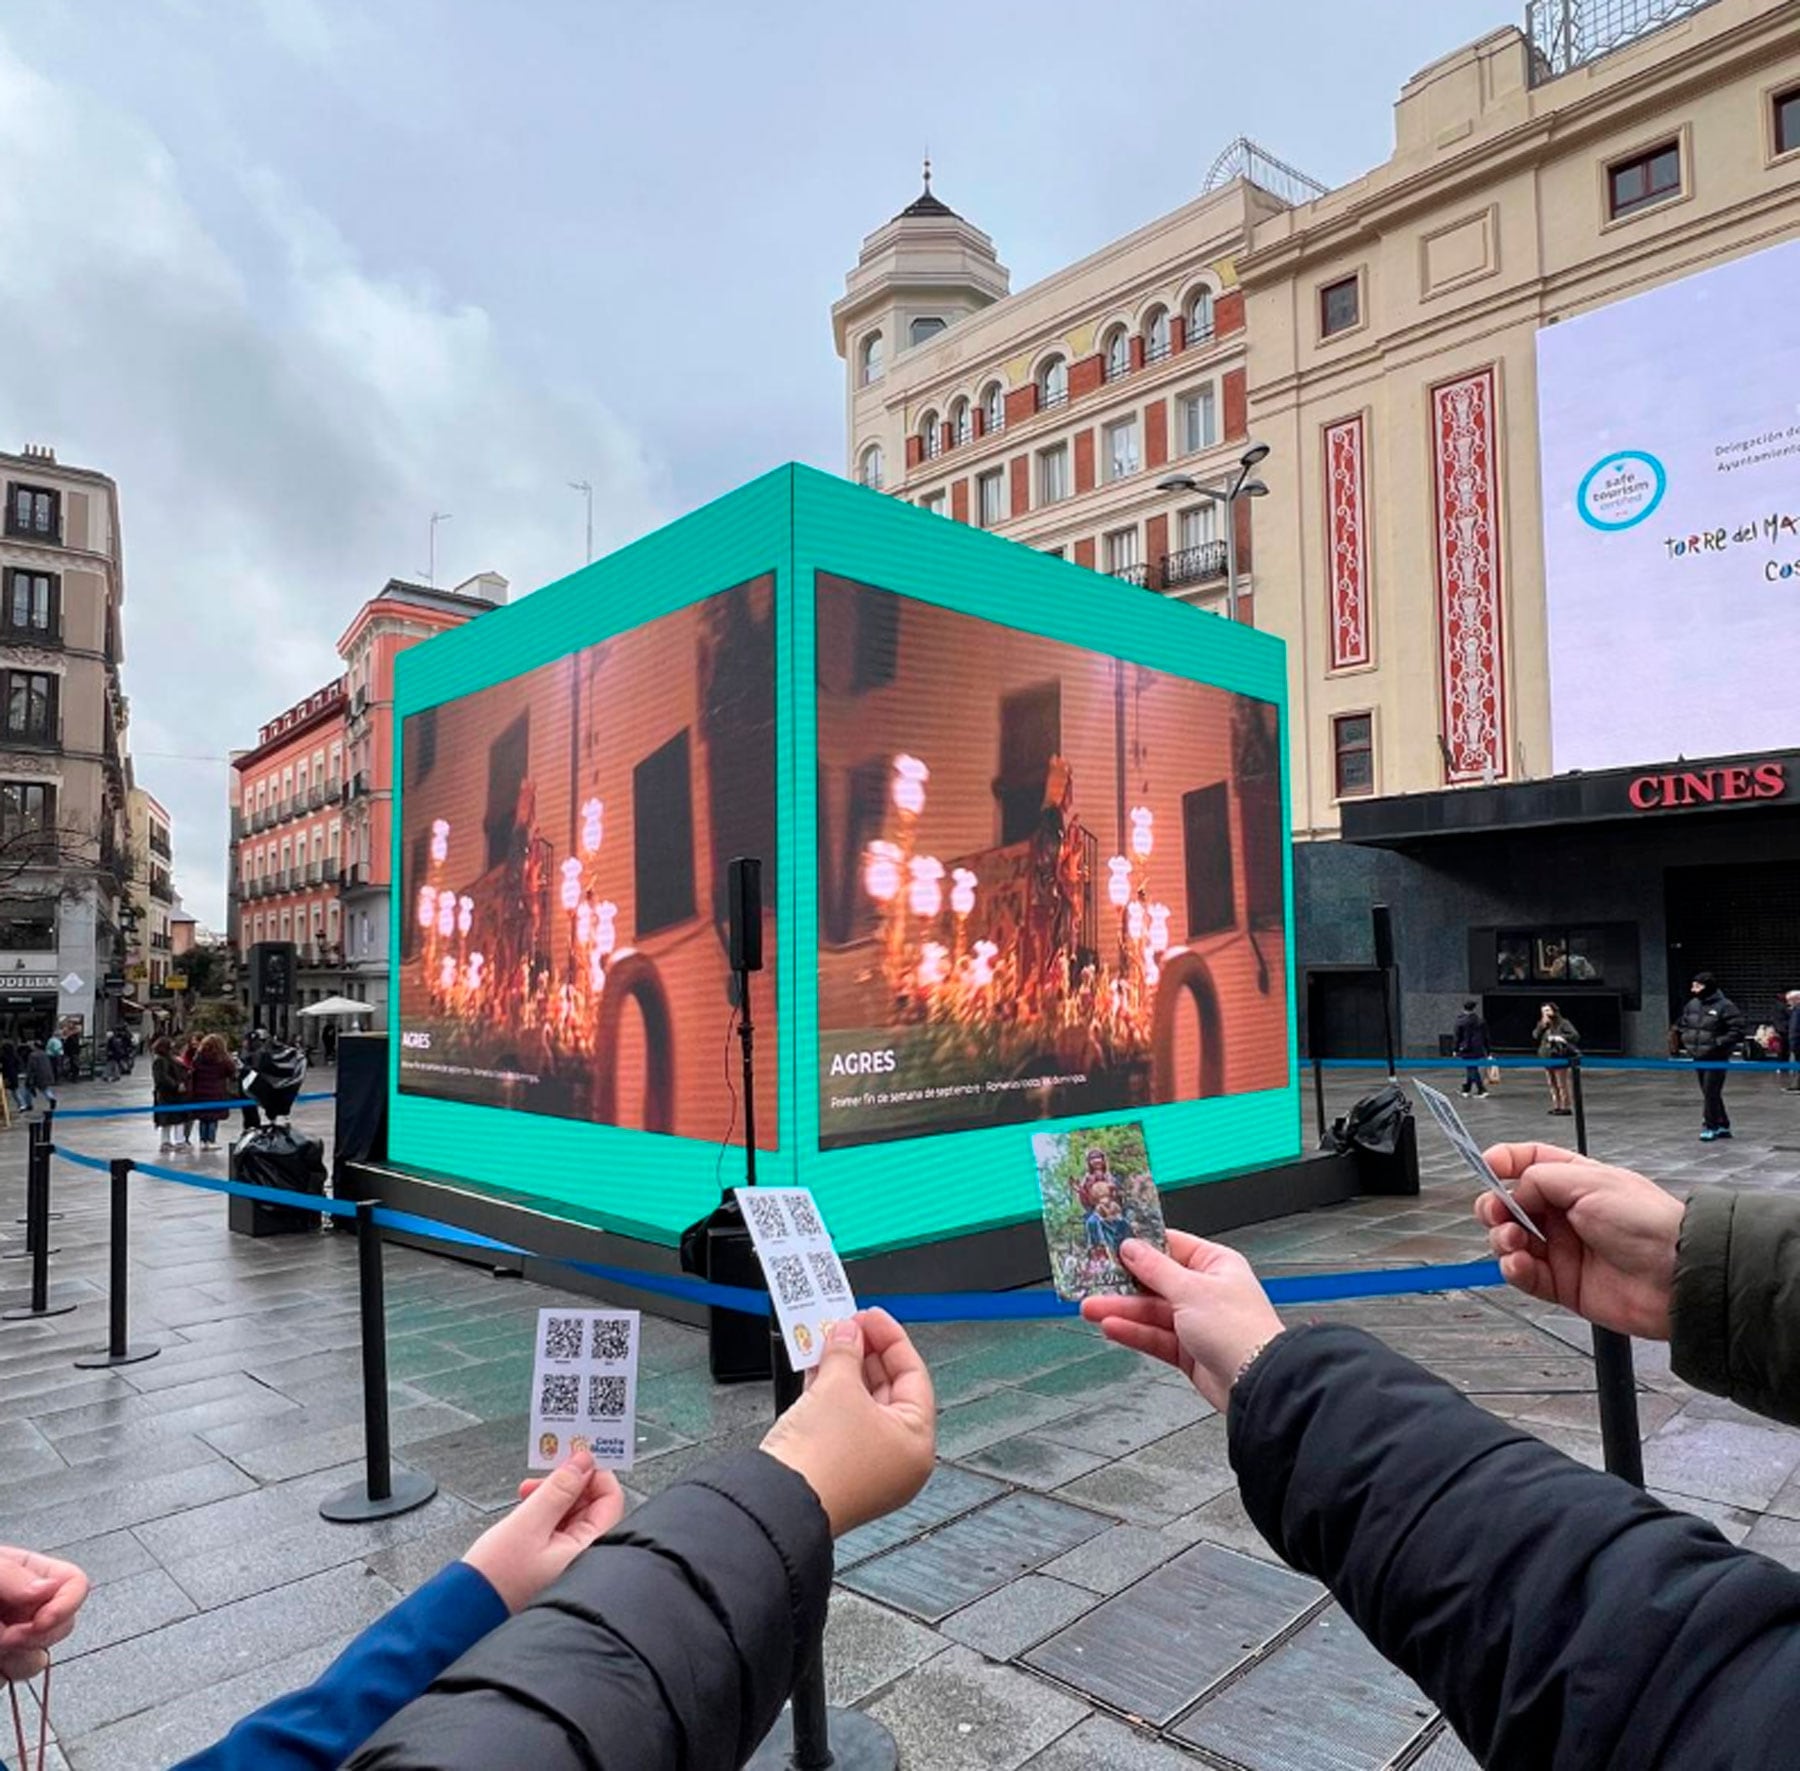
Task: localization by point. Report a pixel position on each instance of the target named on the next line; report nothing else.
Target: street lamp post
(437, 516)
(1227, 497)
(585, 487)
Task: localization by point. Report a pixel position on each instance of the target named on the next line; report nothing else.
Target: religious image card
(1095, 1188)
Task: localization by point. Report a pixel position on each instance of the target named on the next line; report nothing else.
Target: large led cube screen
(563, 846)
(1050, 881)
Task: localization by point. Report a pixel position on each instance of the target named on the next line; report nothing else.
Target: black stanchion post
(1615, 1383)
(37, 1236)
(37, 1131)
(118, 1349)
(384, 1492)
(1318, 1070)
(38, 1136)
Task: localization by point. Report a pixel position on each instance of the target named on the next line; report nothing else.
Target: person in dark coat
(1711, 1028)
(12, 1071)
(40, 1075)
(213, 1077)
(169, 1090)
(1561, 1619)
(1471, 1045)
(1557, 1040)
(1790, 1033)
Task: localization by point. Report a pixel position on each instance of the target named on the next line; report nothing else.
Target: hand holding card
(1096, 1191)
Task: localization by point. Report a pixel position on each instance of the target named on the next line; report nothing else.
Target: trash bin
(719, 1249)
(1382, 1136)
(274, 1154)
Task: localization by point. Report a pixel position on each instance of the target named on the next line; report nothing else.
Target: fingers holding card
(1096, 1190)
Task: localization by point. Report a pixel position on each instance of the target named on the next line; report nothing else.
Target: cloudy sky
(299, 272)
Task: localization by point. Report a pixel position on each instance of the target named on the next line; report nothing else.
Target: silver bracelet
(1255, 1353)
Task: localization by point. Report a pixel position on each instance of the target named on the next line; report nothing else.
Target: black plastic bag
(1376, 1123)
(275, 1080)
(279, 1156)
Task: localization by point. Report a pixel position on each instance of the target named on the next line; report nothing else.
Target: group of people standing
(1711, 1030)
(188, 1085)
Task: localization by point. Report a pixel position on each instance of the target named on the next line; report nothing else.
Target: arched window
(931, 435)
(1053, 383)
(1200, 315)
(868, 467)
(1156, 335)
(993, 408)
(924, 327)
(1118, 353)
(962, 427)
(871, 358)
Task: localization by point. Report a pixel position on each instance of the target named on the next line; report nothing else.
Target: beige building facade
(64, 767)
(150, 950)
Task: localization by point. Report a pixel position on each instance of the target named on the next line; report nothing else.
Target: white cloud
(281, 419)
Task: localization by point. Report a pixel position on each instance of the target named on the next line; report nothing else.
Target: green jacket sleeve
(1735, 1311)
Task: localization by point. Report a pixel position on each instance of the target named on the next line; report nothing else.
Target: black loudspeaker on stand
(1382, 920)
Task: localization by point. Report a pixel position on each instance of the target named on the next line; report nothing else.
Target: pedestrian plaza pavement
(1077, 1588)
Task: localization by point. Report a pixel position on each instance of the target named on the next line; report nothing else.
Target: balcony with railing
(1193, 565)
(1138, 574)
(360, 784)
(1568, 34)
(159, 846)
(331, 870)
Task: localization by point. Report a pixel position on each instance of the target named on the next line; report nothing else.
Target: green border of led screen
(795, 522)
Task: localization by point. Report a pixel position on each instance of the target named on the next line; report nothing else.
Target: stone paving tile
(1004, 1624)
(202, 1652)
(1121, 1423)
(116, 1556)
(949, 1493)
(283, 1447)
(957, 1713)
(1732, 1523)
(119, 1609)
(1721, 1460)
(971, 1426)
(1105, 1373)
(1224, 1522)
(1101, 1744)
(868, 1647)
(1164, 1480)
(1112, 1561)
(1033, 1460)
(189, 1408)
(134, 1502)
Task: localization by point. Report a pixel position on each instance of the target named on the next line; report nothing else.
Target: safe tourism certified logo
(1620, 490)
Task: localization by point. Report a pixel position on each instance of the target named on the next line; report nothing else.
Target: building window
(1550, 956)
(31, 605)
(1353, 754)
(1644, 179)
(935, 503)
(869, 467)
(1121, 449)
(1122, 552)
(662, 802)
(28, 926)
(1156, 335)
(991, 499)
(924, 327)
(1053, 384)
(30, 697)
(1053, 474)
(1198, 527)
(870, 359)
(993, 408)
(1118, 353)
(1787, 120)
(34, 513)
(1199, 420)
(931, 436)
(1200, 316)
(962, 425)
(1340, 306)
(27, 818)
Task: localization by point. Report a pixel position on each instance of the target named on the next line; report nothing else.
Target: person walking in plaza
(118, 1054)
(1711, 1028)
(1471, 1042)
(40, 1076)
(71, 1055)
(169, 1090)
(1557, 1040)
(213, 1078)
(1790, 1034)
(54, 1047)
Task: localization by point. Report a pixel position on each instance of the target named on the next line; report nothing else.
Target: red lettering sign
(1699, 787)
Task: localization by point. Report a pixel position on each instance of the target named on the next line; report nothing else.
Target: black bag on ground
(1380, 1133)
(276, 1156)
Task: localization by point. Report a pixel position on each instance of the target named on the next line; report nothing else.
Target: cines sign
(1732, 784)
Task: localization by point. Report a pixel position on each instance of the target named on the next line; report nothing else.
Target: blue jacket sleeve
(382, 1671)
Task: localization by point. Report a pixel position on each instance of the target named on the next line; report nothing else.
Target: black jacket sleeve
(1735, 1311)
(673, 1642)
(1560, 1618)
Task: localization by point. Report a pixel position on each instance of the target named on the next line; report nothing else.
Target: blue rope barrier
(913, 1306)
(180, 1107)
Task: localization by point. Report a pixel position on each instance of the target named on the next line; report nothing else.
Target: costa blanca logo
(1620, 490)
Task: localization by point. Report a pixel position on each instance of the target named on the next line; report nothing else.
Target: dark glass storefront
(1604, 892)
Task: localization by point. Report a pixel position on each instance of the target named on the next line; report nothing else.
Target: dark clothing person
(12, 1067)
(1734, 1312)
(72, 1057)
(1711, 1028)
(40, 1077)
(213, 1078)
(169, 1090)
(1471, 1045)
(1562, 1620)
(675, 1640)
(1790, 1028)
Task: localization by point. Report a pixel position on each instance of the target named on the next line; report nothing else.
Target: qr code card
(807, 1282)
(584, 1387)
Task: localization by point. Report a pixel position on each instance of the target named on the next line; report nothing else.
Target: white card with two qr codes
(584, 1387)
(807, 1282)
(1451, 1125)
